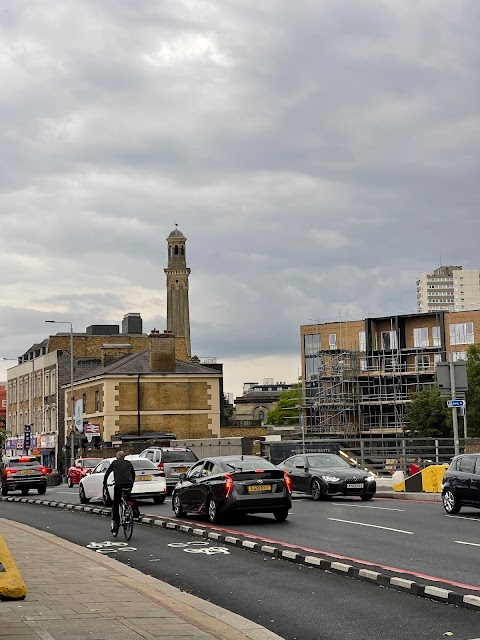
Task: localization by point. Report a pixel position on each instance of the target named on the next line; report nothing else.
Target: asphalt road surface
(416, 537)
(296, 602)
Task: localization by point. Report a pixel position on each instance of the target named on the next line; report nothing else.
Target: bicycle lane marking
(109, 547)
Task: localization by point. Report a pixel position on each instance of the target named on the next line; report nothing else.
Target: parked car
(171, 460)
(461, 483)
(323, 475)
(244, 484)
(23, 473)
(80, 468)
(149, 482)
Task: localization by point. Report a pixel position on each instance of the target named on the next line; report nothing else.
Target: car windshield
(25, 463)
(142, 463)
(249, 465)
(90, 463)
(327, 461)
(178, 456)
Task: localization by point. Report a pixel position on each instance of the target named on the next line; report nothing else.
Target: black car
(243, 484)
(461, 483)
(322, 475)
(24, 473)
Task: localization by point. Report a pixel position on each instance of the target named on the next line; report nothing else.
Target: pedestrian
(124, 476)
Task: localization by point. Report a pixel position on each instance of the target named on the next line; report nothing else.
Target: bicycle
(126, 515)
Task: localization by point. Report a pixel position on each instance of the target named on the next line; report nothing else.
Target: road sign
(455, 403)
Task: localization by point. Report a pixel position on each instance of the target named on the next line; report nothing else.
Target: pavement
(74, 592)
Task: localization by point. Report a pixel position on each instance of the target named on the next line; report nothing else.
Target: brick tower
(177, 272)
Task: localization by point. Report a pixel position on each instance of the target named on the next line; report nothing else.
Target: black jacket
(122, 470)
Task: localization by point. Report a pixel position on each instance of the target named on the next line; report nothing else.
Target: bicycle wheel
(127, 521)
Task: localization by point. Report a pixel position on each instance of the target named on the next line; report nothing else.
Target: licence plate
(257, 488)
(140, 478)
(180, 469)
(26, 472)
(355, 485)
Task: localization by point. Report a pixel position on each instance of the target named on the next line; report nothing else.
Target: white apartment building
(449, 288)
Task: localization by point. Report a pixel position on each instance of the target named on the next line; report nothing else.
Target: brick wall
(234, 432)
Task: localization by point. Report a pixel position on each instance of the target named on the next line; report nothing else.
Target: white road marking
(366, 506)
(155, 560)
(463, 518)
(472, 544)
(374, 526)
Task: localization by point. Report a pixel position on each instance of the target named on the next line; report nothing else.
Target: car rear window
(178, 456)
(29, 463)
(142, 463)
(89, 464)
(249, 464)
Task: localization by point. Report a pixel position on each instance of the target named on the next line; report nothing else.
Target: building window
(332, 341)
(437, 357)
(84, 402)
(420, 337)
(436, 336)
(52, 383)
(311, 343)
(362, 342)
(97, 401)
(461, 333)
(422, 362)
(389, 340)
(363, 364)
(459, 355)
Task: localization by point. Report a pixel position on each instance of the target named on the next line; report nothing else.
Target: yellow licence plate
(139, 478)
(180, 469)
(27, 472)
(255, 488)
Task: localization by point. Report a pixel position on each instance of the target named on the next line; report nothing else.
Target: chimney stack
(162, 351)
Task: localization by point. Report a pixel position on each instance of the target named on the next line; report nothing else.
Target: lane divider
(12, 586)
(468, 598)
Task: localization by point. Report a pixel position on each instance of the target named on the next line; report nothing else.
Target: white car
(149, 482)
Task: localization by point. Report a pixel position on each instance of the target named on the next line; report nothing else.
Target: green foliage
(228, 409)
(427, 415)
(3, 436)
(286, 410)
(473, 393)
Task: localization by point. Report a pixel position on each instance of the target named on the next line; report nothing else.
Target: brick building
(358, 375)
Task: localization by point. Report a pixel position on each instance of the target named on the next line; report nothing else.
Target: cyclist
(124, 475)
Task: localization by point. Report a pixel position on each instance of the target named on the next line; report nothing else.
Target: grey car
(171, 460)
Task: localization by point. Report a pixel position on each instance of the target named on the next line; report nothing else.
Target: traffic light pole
(456, 440)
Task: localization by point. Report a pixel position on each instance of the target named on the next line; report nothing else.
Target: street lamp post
(72, 400)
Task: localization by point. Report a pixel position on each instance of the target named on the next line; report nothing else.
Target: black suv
(24, 473)
(461, 483)
(171, 460)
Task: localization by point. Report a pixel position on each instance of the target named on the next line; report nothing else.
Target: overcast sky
(318, 156)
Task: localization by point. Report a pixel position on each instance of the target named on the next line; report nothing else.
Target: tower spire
(177, 272)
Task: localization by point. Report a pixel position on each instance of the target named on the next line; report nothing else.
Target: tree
(4, 434)
(286, 410)
(473, 393)
(427, 415)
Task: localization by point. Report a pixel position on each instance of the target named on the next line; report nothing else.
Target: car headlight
(370, 477)
(330, 478)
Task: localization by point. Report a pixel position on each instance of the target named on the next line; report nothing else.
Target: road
(296, 602)
(417, 537)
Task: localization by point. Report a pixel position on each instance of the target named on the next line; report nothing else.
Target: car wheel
(281, 514)
(159, 500)
(366, 496)
(450, 502)
(4, 490)
(316, 489)
(212, 510)
(69, 482)
(42, 490)
(177, 506)
(107, 501)
(24, 491)
(81, 494)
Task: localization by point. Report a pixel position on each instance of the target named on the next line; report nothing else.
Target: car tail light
(11, 471)
(259, 470)
(24, 459)
(42, 470)
(228, 484)
(288, 481)
(160, 466)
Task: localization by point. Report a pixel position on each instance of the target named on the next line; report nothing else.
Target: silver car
(171, 460)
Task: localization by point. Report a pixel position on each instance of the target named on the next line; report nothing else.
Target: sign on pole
(91, 430)
(455, 403)
(79, 415)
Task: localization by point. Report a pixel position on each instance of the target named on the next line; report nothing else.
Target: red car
(81, 467)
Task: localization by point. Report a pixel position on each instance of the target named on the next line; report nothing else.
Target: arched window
(182, 250)
(261, 416)
(176, 249)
